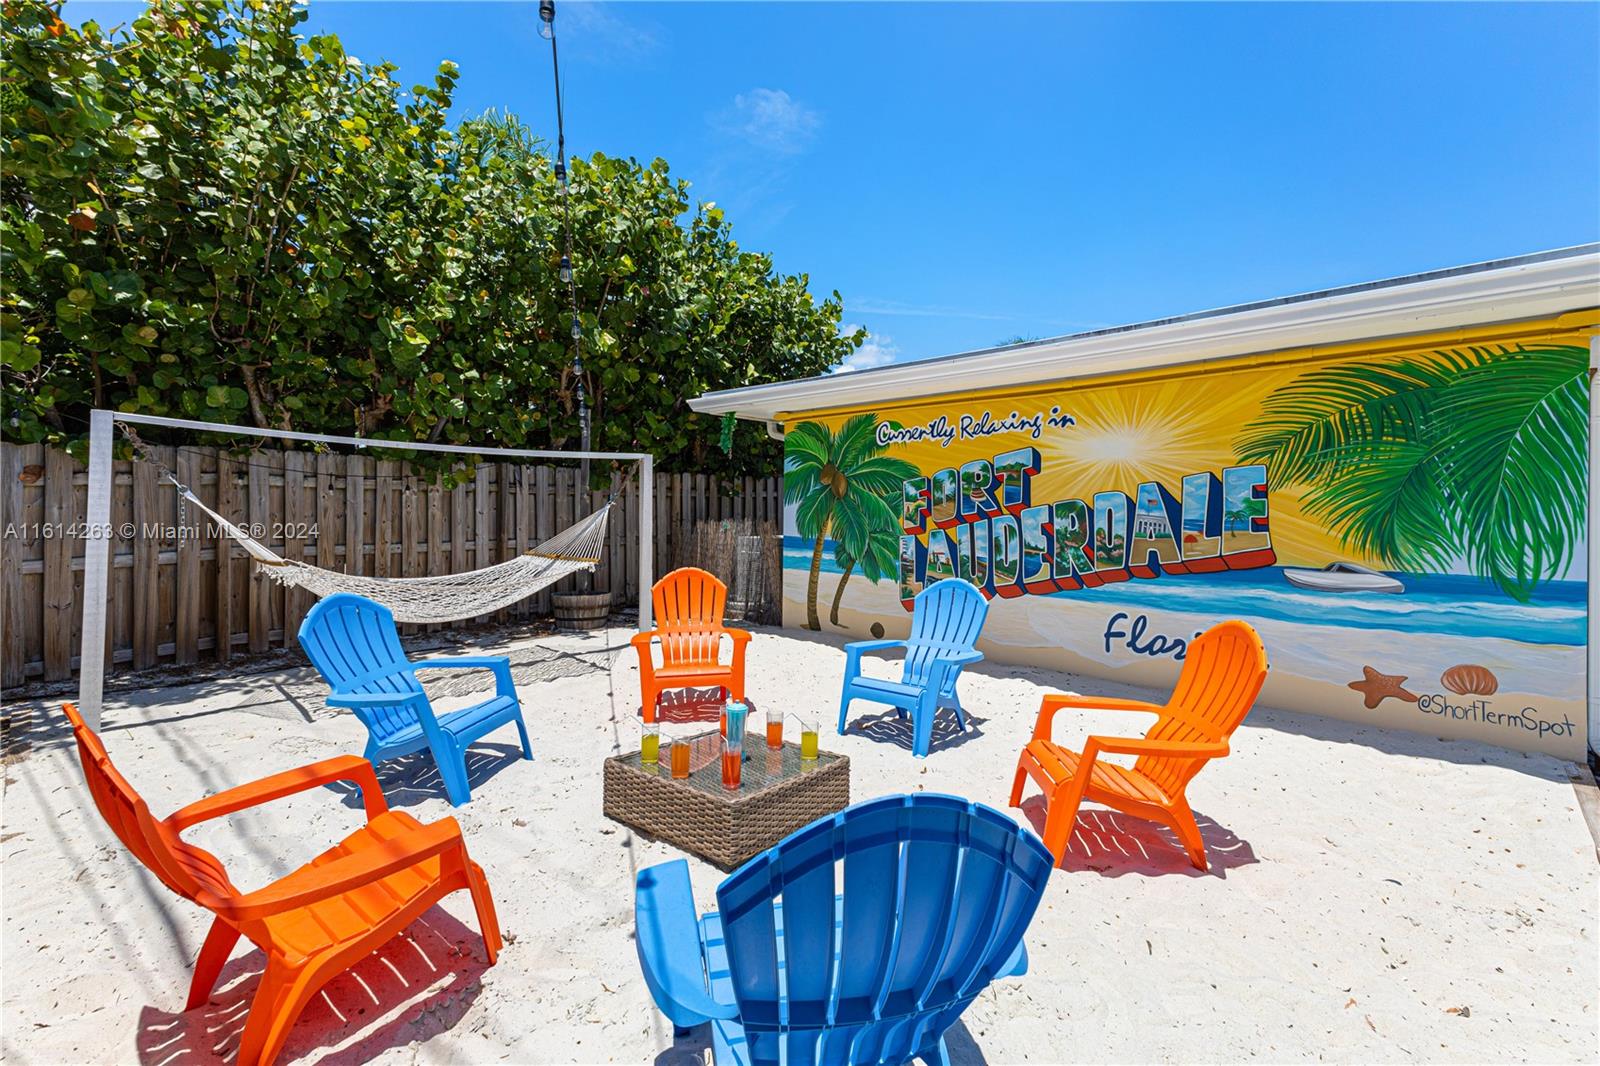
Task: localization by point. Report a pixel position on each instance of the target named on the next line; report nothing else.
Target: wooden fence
(171, 602)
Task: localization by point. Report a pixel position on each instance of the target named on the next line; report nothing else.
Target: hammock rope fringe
(445, 598)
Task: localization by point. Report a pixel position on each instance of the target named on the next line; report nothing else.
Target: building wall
(1112, 521)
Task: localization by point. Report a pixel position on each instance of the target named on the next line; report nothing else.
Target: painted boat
(1344, 577)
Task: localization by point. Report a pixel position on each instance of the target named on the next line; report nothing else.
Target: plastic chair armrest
(740, 636)
(350, 768)
(667, 935)
(946, 665)
(1181, 749)
(855, 649)
(340, 876)
(498, 663)
(1056, 701)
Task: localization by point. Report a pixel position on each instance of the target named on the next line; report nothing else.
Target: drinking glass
(680, 757)
(734, 713)
(808, 739)
(649, 743)
(774, 729)
(732, 762)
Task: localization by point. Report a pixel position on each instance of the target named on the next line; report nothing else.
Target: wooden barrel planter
(582, 610)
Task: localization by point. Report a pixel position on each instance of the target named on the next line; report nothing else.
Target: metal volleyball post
(96, 570)
(97, 538)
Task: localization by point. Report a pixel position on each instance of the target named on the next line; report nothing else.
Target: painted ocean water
(1450, 604)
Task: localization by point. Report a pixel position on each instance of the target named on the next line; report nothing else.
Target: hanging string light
(547, 30)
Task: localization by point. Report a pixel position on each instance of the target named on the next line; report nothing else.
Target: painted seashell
(1470, 680)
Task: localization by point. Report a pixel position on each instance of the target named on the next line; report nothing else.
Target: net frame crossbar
(97, 545)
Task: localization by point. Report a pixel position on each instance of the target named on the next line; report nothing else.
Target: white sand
(1374, 896)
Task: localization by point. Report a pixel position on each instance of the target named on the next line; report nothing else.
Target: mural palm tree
(1476, 454)
(878, 556)
(840, 481)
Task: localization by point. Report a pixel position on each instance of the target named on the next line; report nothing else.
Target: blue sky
(967, 174)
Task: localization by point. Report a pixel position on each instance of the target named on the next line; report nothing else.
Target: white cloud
(770, 119)
(880, 350)
(596, 30)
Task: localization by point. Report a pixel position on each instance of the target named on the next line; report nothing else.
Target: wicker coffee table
(779, 793)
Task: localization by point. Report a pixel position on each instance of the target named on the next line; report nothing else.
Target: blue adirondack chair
(787, 971)
(354, 645)
(946, 619)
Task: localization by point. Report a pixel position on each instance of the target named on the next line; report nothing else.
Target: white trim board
(1508, 290)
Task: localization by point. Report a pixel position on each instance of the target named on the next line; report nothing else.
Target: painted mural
(1405, 529)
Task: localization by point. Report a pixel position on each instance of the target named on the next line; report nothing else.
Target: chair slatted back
(1223, 671)
(689, 605)
(946, 618)
(184, 868)
(353, 643)
(895, 914)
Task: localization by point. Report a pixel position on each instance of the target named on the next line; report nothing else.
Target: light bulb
(561, 177)
(547, 19)
(566, 270)
(577, 330)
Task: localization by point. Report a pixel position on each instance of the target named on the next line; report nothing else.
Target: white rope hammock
(446, 598)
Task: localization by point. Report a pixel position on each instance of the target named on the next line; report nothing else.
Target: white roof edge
(1506, 290)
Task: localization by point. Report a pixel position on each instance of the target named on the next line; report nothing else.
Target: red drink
(731, 762)
(775, 733)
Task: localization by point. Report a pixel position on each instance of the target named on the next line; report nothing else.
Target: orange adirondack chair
(316, 922)
(688, 608)
(1222, 674)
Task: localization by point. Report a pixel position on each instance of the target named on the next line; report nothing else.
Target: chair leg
(483, 903)
(922, 725)
(1020, 781)
(961, 715)
(286, 1012)
(1062, 814)
(208, 965)
(453, 768)
(844, 708)
(1188, 831)
(650, 695)
(276, 982)
(938, 1055)
(522, 730)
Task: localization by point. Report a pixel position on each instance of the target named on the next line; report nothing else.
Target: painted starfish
(1378, 687)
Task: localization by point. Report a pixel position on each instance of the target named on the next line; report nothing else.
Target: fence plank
(296, 528)
(17, 620)
(482, 535)
(58, 550)
(227, 505)
(543, 522)
(258, 590)
(186, 575)
(383, 519)
(146, 574)
(355, 499)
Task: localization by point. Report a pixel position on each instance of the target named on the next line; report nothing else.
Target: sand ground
(1374, 896)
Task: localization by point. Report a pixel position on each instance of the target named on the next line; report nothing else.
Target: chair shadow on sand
(685, 706)
(891, 726)
(1111, 844)
(411, 779)
(417, 985)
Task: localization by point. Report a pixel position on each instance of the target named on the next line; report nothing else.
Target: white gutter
(1532, 286)
(1593, 679)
